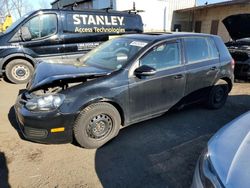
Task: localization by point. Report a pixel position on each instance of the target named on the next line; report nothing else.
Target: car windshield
(113, 54)
(16, 23)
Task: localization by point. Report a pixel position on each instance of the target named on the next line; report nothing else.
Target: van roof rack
(107, 9)
(71, 6)
(110, 6)
(133, 10)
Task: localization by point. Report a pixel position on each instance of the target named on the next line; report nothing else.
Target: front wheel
(97, 124)
(218, 95)
(19, 71)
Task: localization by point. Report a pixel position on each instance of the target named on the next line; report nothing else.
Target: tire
(19, 71)
(97, 124)
(218, 95)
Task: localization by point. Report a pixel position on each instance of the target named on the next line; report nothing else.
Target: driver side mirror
(144, 70)
(25, 34)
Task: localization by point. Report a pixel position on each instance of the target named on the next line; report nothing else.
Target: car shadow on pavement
(163, 152)
(4, 172)
(12, 118)
(13, 122)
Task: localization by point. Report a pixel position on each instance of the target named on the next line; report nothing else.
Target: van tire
(218, 95)
(96, 124)
(19, 71)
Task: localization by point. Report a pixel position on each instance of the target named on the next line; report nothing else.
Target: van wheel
(97, 124)
(19, 71)
(218, 95)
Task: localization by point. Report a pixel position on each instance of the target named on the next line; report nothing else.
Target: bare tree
(17, 8)
(5, 7)
(43, 4)
(20, 7)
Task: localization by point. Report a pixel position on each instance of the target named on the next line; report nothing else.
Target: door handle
(58, 39)
(179, 76)
(213, 68)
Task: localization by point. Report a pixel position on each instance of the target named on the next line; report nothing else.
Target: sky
(202, 2)
(36, 4)
(41, 4)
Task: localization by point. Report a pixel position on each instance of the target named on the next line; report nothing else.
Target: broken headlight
(45, 103)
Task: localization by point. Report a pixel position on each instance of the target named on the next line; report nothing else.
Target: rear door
(154, 94)
(202, 62)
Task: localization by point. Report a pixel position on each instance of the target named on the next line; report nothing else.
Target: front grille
(35, 133)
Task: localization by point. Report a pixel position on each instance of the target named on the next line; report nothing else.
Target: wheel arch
(225, 79)
(18, 56)
(112, 102)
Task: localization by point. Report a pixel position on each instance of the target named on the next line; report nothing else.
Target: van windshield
(113, 54)
(16, 23)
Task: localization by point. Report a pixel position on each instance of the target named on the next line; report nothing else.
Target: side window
(163, 56)
(214, 54)
(42, 26)
(196, 49)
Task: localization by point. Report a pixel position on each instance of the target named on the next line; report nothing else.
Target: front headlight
(45, 103)
(208, 174)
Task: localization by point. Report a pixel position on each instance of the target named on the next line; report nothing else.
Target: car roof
(164, 35)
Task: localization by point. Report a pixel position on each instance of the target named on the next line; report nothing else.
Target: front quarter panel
(112, 88)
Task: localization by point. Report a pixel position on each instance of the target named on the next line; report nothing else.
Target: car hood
(52, 74)
(229, 152)
(238, 26)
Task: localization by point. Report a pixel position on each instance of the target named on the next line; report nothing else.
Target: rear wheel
(97, 124)
(19, 71)
(218, 95)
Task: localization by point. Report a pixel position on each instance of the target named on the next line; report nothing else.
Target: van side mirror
(25, 33)
(144, 70)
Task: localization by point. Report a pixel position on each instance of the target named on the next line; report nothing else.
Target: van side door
(202, 63)
(43, 36)
(155, 94)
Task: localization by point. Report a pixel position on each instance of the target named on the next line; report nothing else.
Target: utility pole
(193, 17)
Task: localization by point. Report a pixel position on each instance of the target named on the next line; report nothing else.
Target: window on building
(214, 27)
(197, 27)
(177, 27)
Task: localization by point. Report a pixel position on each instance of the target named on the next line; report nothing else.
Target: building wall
(158, 13)
(176, 5)
(219, 13)
(82, 4)
(207, 15)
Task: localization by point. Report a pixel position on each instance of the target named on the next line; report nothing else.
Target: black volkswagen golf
(125, 80)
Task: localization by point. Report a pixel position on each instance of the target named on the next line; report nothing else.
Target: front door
(45, 40)
(154, 94)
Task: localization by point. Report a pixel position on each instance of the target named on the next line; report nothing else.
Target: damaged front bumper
(40, 126)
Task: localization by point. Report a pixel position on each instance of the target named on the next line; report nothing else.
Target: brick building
(208, 18)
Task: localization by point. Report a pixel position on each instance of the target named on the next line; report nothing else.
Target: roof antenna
(134, 8)
(74, 5)
(111, 4)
